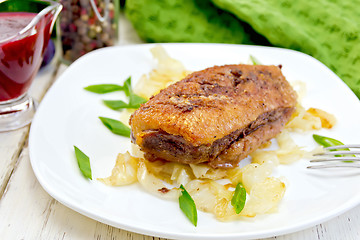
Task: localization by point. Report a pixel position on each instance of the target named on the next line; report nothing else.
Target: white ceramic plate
(68, 115)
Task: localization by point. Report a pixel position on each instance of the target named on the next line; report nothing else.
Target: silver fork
(341, 161)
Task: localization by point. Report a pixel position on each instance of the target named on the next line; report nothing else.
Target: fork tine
(337, 153)
(347, 155)
(343, 146)
(355, 159)
(340, 165)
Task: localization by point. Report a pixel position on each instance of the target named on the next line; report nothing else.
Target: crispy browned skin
(218, 115)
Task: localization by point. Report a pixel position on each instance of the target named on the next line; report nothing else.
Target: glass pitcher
(25, 29)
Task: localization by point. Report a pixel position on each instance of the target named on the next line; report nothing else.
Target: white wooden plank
(28, 212)
(127, 33)
(346, 226)
(12, 142)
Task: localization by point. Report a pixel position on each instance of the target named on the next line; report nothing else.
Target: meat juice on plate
(20, 57)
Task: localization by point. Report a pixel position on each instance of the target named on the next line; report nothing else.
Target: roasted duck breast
(217, 116)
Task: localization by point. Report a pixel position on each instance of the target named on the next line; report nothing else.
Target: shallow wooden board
(28, 212)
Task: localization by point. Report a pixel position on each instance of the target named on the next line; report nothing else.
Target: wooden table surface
(28, 212)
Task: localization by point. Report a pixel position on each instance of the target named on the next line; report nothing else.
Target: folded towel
(188, 21)
(327, 30)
